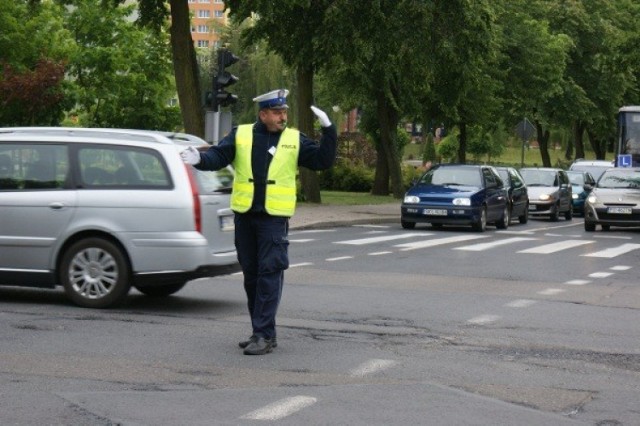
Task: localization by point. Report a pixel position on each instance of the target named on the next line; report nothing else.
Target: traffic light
(223, 79)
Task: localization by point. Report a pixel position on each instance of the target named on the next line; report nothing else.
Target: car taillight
(197, 213)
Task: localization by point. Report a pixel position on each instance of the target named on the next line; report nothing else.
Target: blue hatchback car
(457, 194)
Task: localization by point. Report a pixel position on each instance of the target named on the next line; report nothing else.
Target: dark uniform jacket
(312, 155)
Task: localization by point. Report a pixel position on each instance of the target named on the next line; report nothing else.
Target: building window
(203, 28)
(203, 43)
(218, 1)
(219, 14)
(193, 29)
(204, 1)
(192, 1)
(204, 13)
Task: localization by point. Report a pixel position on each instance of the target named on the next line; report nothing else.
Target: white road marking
(333, 259)
(302, 240)
(485, 246)
(551, 291)
(614, 251)
(620, 268)
(520, 303)
(555, 247)
(563, 236)
(281, 409)
(311, 231)
(371, 367)
(371, 240)
(371, 226)
(577, 282)
(437, 242)
(295, 265)
(484, 319)
(378, 253)
(600, 274)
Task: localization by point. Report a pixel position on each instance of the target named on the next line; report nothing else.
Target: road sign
(624, 160)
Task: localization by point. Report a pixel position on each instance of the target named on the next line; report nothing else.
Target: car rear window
(33, 166)
(128, 167)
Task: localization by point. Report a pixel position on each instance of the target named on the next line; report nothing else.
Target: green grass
(510, 156)
(353, 198)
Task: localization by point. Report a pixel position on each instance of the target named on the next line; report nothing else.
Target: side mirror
(587, 187)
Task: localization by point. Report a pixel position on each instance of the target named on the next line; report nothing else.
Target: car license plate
(435, 212)
(619, 210)
(226, 223)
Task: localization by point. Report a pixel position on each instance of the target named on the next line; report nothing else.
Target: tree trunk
(599, 146)
(381, 175)
(568, 153)
(388, 119)
(308, 178)
(577, 128)
(462, 143)
(185, 67)
(543, 142)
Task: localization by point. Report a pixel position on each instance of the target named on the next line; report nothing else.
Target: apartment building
(206, 16)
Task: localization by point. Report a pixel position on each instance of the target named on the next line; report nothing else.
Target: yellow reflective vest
(280, 198)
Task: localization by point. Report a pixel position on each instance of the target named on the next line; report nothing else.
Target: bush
(347, 176)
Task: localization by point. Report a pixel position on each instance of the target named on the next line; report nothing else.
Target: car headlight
(411, 199)
(462, 201)
(575, 196)
(545, 197)
(592, 199)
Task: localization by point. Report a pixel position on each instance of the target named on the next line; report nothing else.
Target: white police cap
(276, 99)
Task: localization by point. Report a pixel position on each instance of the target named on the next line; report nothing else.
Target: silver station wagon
(98, 211)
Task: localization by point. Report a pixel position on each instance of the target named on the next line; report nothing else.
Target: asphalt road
(378, 325)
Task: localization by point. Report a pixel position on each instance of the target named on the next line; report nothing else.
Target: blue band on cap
(273, 103)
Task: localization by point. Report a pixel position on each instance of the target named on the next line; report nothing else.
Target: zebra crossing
(526, 243)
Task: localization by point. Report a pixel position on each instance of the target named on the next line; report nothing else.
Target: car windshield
(595, 170)
(463, 176)
(539, 177)
(620, 179)
(576, 178)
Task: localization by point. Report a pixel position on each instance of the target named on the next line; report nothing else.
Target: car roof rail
(134, 134)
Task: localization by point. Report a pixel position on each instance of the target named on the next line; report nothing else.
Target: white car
(100, 210)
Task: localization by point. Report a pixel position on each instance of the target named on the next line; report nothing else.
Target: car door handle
(56, 206)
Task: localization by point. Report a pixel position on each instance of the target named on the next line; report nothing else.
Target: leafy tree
(154, 14)
(34, 48)
(534, 60)
(122, 72)
(278, 24)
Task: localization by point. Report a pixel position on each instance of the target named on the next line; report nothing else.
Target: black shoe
(244, 344)
(260, 346)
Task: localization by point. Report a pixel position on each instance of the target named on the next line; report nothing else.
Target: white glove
(190, 156)
(322, 116)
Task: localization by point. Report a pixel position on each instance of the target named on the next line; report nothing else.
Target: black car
(517, 192)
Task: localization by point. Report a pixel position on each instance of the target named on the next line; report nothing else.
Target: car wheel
(589, 227)
(568, 215)
(555, 213)
(408, 225)
(161, 290)
(95, 273)
(525, 216)
(504, 221)
(606, 227)
(481, 224)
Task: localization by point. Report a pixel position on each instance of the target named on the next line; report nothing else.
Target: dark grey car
(550, 192)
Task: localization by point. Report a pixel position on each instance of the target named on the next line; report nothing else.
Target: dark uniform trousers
(262, 247)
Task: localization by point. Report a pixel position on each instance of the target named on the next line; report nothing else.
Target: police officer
(266, 156)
